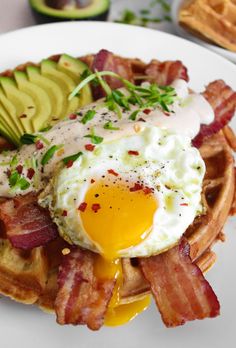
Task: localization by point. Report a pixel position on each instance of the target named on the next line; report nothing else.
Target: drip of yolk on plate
(117, 217)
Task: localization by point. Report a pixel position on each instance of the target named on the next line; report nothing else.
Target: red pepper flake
(136, 187)
(166, 113)
(19, 169)
(184, 204)
(141, 119)
(89, 147)
(147, 190)
(64, 213)
(147, 111)
(8, 172)
(96, 207)
(82, 206)
(30, 173)
(69, 163)
(23, 116)
(133, 153)
(111, 171)
(72, 116)
(39, 145)
(92, 181)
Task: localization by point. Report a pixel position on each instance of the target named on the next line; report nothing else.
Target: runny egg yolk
(118, 313)
(117, 216)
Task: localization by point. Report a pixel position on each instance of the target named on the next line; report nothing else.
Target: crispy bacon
(107, 61)
(27, 224)
(223, 101)
(82, 298)
(164, 73)
(179, 287)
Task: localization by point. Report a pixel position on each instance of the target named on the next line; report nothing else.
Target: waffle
(30, 277)
(214, 20)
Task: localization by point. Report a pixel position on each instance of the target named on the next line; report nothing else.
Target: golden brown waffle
(31, 277)
(212, 19)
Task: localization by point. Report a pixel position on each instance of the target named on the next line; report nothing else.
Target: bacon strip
(223, 101)
(179, 287)
(107, 61)
(82, 298)
(164, 73)
(27, 224)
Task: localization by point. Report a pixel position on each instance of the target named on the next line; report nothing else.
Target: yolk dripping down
(123, 218)
(118, 313)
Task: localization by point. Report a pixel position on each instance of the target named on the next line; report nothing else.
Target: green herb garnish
(17, 181)
(128, 17)
(88, 116)
(49, 154)
(134, 115)
(95, 139)
(109, 125)
(45, 129)
(28, 139)
(148, 96)
(72, 157)
(14, 161)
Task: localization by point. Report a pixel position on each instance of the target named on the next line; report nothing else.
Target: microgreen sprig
(150, 95)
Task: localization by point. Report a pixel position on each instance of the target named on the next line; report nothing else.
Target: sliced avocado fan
(36, 98)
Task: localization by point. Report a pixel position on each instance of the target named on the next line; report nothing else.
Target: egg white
(167, 162)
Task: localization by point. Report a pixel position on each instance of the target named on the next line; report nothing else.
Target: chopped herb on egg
(72, 158)
(14, 161)
(133, 115)
(49, 153)
(109, 125)
(16, 180)
(89, 115)
(95, 139)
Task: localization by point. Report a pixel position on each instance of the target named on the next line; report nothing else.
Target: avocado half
(60, 10)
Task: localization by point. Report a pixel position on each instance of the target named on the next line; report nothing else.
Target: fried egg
(130, 197)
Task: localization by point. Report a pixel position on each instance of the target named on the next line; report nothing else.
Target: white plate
(28, 327)
(184, 33)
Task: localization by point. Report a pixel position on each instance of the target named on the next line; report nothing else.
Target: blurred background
(15, 14)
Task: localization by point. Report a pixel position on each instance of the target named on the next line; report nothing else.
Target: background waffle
(211, 19)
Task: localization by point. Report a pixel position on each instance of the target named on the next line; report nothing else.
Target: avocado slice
(58, 10)
(49, 70)
(75, 68)
(54, 92)
(43, 105)
(38, 96)
(5, 126)
(11, 100)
